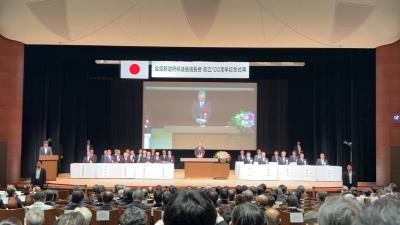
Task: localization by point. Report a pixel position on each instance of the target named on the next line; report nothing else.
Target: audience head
(107, 197)
(50, 195)
(338, 211)
(380, 212)
(77, 197)
(138, 195)
(311, 218)
(248, 195)
(262, 201)
(292, 201)
(272, 216)
(190, 207)
(85, 212)
(240, 199)
(40, 196)
(11, 221)
(158, 196)
(34, 216)
(321, 196)
(247, 214)
(231, 195)
(166, 197)
(11, 191)
(213, 196)
(133, 216)
(239, 189)
(72, 218)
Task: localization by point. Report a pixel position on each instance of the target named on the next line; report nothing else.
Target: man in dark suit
(275, 157)
(293, 157)
(301, 161)
(321, 161)
(45, 149)
(90, 158)
(241, 156)
(283, 160)
(170, 158)
(156, 158)
(138, 197)
(248, 159)
(298, 148)
(38, 176)
(201, 109)
(132, 157)
(139, 156)
(258, 155)
(263, 159)
(107, 205)
(117, 156)
(350, 177)
(126, 158)
(164, 156)
(103, 157)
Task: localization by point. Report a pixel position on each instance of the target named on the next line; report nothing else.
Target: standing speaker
(3, 163)
(395, 165)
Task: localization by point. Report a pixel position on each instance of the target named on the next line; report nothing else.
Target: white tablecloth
(288, 172)
(123, 170)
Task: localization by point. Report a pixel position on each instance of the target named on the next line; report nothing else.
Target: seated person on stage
(170, 158)
(275, 157)
(107, 198)
(283, 160)
(117, 156)
(143, 158)
(107, 158)
(263, 160)
(132, 157)
(241, 156)
(301, 161)
(350, 177)
(199, 151)
(126, 158)
(139, 156)
(163, 156)
(248, 159)
(293, 157)
(321, 161)
(89, 158)
(156, 158)
(153, 152)
(258, 155)
(148, 158)
(38, 177)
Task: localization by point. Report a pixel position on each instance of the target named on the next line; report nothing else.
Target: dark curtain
(68, 98)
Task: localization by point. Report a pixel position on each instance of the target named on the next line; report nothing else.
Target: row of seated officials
(129, 156)
(262, 159)
(222, 205)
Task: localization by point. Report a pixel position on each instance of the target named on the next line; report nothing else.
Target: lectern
(205, 168)
(49, 163)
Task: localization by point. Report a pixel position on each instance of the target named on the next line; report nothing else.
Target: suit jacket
(155, 160)
(139, 158)
(146, 159)
(319, 162)
(248, 161)
(107, 159)
(274, 159)
(353, 179)
(282, 161)
(171, 159)
(164, 158)
(241, 158)
(201, 112)
(137, 204)
(86, 160)
(300, 162)
(42, 178)
(262, 161)
(256, 158)
(198, 151)
(118, 159)
(127, 160)
(132, 158)
(49, 151)
(293, 159)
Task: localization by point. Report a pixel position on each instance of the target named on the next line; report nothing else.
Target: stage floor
(180, 181)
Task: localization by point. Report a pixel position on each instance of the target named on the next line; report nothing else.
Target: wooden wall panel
(387, 104)
(11, 93)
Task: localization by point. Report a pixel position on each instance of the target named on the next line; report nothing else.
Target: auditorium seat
(149, 218)
(285, 219)
(49, 216)
(63, 194)
(113, 220)
(17, 213)
(59, 211)
(157, 215)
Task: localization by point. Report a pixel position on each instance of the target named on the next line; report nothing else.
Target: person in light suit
(45, 149)
(263, 159)
(322, 160)
(258, 155)
(283, 160)
(293, 157)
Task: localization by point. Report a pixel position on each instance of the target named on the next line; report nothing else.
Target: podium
(49, 163)
(205, 168)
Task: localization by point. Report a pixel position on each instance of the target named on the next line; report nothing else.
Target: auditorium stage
(180, 181)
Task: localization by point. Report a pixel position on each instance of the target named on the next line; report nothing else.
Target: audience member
(107, 197)
(34, 217)
(272, 216)
(339, 211)
(381, 212)
(133, 216)
(247, 214)
(40, 199)
(11, 221)
(72, 218)
(87, 215)
(138, 196)
(76, 200)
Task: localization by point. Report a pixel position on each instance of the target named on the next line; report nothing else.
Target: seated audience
(381, 212)
(72, 218)
(311, 218)
(247, 214)
(157, 198)
(292, 203)
(339, 211)
(76, 200)
(166, 197)
(34, 217)
(262, 202)
(86, 213)
(107, 197)
(321, 196)
(190, 207)
(40, 199)
(11, 221)
(13, 201)
(138, 196)
(133, 216)
(272, 216)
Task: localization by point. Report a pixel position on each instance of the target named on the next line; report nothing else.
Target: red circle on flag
(134, 69)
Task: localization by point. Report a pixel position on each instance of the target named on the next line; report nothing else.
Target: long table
(288, 172)
(123, 170)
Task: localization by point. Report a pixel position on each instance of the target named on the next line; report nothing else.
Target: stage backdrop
(68, 98)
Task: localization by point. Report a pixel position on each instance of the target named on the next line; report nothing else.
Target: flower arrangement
(222, 156)
(243, 120)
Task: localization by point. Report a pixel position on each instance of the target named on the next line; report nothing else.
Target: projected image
(178, 115)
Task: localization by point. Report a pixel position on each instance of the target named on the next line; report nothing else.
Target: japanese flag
(135, 69)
